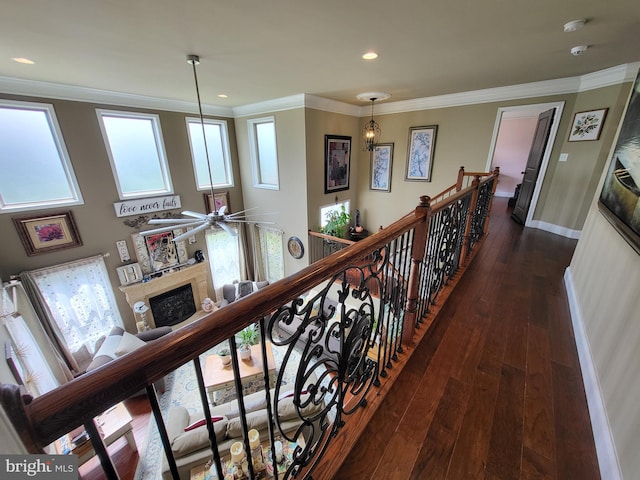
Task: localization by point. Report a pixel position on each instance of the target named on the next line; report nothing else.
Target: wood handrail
(42, 420)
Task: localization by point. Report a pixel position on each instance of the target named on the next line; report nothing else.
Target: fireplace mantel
(196, 275)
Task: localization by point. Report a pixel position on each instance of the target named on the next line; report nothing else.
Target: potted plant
(247, 337)
(225, 356)
(337, 223)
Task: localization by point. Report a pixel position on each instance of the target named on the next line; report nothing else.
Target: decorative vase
(226, 359)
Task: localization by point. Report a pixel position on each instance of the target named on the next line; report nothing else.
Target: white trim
(603, 437)
(33, 88)
(557, 229)
(603, 78)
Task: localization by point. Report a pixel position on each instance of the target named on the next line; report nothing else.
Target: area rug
(181, 388)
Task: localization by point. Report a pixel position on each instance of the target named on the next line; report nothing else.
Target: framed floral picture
(47, 233)
(218, 200)
(381, 164)
(421, 146)
(587, 125)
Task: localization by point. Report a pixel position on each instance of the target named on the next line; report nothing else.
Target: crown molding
(590, 81)
(33, 88)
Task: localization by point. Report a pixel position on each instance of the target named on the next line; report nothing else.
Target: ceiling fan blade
(182, 236)
(171, 221)
(222, 210)
(189, 213)
(242, 220)
(168, 228)
(228, 229)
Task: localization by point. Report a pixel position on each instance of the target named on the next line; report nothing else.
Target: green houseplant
(337, 223)
(247, 337)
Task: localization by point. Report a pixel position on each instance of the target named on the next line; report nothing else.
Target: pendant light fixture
(371, 132)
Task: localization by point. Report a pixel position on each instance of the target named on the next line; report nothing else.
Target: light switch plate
(123, 251)
(563, 157)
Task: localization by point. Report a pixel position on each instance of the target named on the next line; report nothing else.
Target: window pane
(330, 208)
(264, 156)
(224, 258)
(136, 154)
(266, 137)
(34, 164)
(272, 253)
(217, 146)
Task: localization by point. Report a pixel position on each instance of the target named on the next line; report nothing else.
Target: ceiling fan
(201, 221)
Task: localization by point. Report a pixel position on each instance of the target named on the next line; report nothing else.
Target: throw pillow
(109, 347)
(243, 289)
(201, 422)
(128, 344)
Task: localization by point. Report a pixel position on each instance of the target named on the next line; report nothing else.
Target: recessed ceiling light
(223, 95)
(26, 61)
(370, 56)
(574, 25)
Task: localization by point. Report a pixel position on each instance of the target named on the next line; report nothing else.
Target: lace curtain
(76, 304)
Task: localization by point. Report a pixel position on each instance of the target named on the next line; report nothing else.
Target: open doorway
(512, 138)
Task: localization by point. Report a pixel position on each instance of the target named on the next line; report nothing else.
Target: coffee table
(219, 377)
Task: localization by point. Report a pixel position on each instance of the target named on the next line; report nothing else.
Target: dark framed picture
(381, 165)
(337, 162)
(619, 200)
(421, 147)
(219, 200)
(587, 125)
(47, 233)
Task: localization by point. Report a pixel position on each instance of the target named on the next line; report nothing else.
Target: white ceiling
(255, 51)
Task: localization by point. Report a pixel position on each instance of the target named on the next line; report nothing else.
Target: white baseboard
(557, 229)
(605, 445)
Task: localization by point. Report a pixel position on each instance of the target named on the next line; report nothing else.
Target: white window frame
(162, 156)
(63, 156)
(204, 183)
(334, 206)
(255, 153)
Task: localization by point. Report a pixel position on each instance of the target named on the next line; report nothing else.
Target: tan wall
(289, 202)
(318, 124)
(606, 281)
(569, 186)
(97, 223)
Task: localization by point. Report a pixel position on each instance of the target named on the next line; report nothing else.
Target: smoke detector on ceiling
(574, 25)
(579, 50)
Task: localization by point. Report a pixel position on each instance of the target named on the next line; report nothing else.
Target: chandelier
(371, 132)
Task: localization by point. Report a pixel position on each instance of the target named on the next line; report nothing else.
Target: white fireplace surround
(196, 275)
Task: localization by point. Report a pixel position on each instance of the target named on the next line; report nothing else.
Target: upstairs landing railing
(346, 341)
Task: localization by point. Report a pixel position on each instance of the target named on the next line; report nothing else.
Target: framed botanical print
(216, 202)
(381, 164)
(587, 125)
(421, 146)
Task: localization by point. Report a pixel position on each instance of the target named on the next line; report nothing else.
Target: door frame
(532, 110)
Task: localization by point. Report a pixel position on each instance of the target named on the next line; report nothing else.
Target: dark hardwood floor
(494, 390)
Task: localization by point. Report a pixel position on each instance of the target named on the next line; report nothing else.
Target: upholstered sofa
(120, 342)
(190, 439)
(233, 291)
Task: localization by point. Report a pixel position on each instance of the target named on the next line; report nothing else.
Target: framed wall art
(421, 147)
(158, 251)
(47, 233)
(587, 125)
(381, 164)
(218, 200)
(337, 162)
(619, 200)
